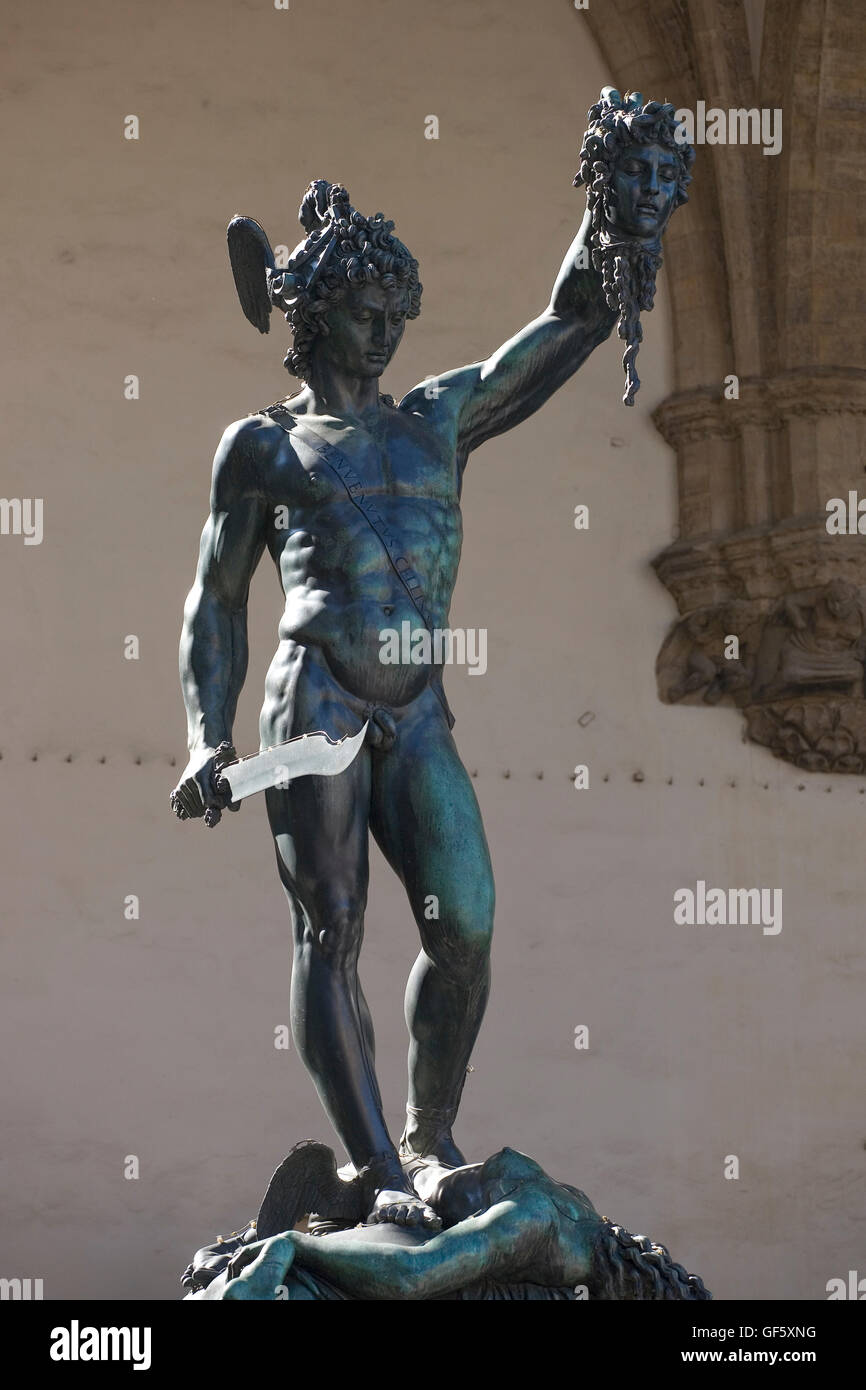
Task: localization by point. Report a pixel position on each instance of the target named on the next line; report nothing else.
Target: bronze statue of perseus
(357, 501)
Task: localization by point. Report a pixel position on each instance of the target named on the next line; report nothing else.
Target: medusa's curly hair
(355, 251)
(626, 1267)
(612, 124)
(628, 267)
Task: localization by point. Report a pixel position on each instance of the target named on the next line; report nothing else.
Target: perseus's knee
(474, 933)
(460, 943)
(333, 929)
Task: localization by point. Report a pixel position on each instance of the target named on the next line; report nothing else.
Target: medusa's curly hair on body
(626, 1267)
(364, 250)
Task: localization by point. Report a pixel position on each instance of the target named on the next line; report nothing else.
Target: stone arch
(765, 283)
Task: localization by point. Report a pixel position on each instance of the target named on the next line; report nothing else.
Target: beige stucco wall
(155, 1037)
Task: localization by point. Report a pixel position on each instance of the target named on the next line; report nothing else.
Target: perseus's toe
(403, 1209)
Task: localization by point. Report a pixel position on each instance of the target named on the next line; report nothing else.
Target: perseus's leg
(426, 820)
(320, 830)
(320, 835)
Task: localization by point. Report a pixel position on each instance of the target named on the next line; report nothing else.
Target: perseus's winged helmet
(261, 286)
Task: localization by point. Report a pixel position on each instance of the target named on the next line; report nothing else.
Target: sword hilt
(220, 788)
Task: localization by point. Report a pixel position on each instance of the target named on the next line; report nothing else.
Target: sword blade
(314, 755)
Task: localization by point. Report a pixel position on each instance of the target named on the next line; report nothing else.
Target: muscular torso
(341, 589)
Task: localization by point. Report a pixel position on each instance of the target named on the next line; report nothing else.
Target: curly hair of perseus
(364, 250)
(628, 266)
(629, 1268)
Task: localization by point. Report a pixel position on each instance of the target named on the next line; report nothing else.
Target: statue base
(509, 1232)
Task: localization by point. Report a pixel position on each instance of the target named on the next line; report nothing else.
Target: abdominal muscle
(327, 674)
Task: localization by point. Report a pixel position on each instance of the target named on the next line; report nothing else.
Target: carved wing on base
(307, 1182)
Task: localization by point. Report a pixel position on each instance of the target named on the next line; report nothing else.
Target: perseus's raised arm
(635, 166)
(489, 397)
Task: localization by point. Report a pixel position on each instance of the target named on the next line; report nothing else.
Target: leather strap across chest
(339, 465)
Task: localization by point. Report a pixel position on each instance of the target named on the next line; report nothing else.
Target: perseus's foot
(403, 1208)
(392, 1197)
(427, 1136)
(439, 1150)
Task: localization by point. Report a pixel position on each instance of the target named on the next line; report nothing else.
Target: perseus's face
(365, 330)
(643, 189)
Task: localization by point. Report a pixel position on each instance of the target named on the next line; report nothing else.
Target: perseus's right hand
(196, 793)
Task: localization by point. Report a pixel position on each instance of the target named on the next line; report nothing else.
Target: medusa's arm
(510, 1242)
